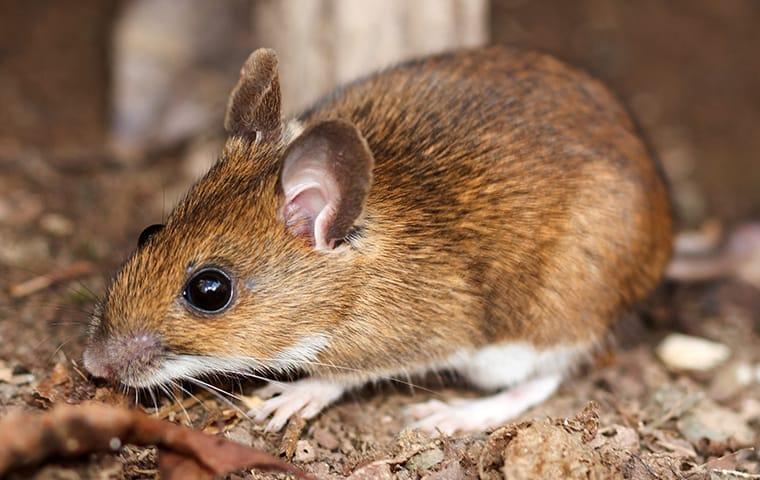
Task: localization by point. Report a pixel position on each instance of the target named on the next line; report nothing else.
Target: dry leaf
(68, 431)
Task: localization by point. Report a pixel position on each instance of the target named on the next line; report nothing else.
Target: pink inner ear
(310, 198)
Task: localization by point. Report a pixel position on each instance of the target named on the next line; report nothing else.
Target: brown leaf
(28, 439)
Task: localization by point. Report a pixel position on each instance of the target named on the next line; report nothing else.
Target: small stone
(373, 471)
(304, 452)
(685, 352)
(346, 447)
(425, 460)
(326, 439)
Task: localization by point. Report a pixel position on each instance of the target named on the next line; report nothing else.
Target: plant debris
(71, 431)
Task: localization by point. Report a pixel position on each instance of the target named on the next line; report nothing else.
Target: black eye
(209, 290)
(147, 233)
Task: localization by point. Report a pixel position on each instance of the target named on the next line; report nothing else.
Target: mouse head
(245, 271)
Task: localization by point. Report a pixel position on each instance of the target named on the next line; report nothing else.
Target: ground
(73, 226)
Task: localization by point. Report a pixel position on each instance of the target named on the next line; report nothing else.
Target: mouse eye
(209, 290)
(147, 233)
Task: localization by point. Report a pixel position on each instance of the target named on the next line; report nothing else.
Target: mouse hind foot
(523, 375)
(472, 414)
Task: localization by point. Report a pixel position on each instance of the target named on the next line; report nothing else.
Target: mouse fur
(488, 206)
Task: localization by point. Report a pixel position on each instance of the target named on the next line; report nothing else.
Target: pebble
(684, 352)
(304, 452)
(373, 471)
(346, 447)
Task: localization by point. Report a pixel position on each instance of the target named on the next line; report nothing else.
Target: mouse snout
(128, 359)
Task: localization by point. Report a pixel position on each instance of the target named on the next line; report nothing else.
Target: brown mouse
(489, 211)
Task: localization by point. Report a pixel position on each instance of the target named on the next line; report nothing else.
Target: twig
(76, 269)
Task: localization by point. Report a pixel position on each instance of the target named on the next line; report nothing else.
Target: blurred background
(91, 78)
(110, 109)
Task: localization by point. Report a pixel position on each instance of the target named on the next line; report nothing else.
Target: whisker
(206, 386)
(407, 383)
(58, 306)
(173, 397)
(153, 397)
(256, 377)
(68, 340)
(198, 400)
(93, 296)
(68, 323)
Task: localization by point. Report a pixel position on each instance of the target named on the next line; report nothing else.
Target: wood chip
(291, 436)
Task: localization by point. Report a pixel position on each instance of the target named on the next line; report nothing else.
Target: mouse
(491, 212)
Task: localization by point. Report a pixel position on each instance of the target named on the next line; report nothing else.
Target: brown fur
(511, 200)
(254, 104)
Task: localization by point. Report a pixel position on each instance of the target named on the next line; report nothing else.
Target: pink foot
(482, 413)
(307, 397)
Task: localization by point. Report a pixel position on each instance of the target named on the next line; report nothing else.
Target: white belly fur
(499, 366)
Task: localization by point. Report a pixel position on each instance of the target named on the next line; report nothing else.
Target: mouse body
(489, 211)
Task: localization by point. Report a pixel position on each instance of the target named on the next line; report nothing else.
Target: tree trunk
(322, 43)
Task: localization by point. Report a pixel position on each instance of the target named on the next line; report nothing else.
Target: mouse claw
(306, 397)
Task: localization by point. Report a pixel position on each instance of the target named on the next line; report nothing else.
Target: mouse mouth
(185, 366)
(179, 367)
(141, 361)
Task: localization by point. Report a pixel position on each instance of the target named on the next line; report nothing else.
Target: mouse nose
(93, 359)
(122, 358)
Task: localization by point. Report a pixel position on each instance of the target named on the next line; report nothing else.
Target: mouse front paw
(306, 397)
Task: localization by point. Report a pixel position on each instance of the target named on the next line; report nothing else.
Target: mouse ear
(254, 104)
(326, 176)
